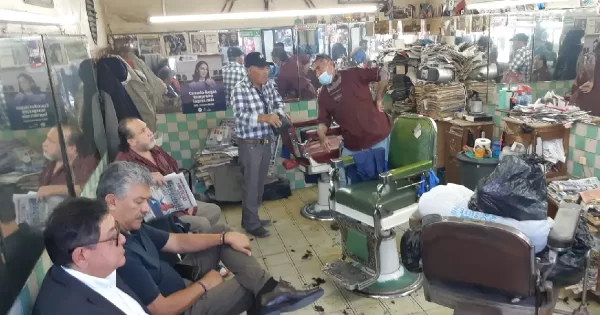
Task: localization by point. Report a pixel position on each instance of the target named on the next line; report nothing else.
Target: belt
(256, 141)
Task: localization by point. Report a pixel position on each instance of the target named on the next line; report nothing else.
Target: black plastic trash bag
(570, 265)
(516, 189)
(410, 250)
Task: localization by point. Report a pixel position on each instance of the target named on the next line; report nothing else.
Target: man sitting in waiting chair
(346, 98)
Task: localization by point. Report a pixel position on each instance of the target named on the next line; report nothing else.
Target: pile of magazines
(568, 190)
(541, 113)
(439, 100)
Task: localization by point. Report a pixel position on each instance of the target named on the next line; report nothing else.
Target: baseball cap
(520, 38)
(256, 59)
(234, 52)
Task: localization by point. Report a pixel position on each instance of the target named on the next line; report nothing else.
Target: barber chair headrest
(471, 252)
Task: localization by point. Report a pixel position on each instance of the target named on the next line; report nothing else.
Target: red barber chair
(313, 159)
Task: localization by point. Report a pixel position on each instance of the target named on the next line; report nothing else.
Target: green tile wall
(583, 142)
(183, 135)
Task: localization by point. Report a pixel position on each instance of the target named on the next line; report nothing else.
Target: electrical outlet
(582, 160)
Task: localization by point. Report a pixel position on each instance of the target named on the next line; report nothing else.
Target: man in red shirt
(346, 98)
(293, 81)
(138, 146)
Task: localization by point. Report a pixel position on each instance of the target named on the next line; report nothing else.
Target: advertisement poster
(205, 92)
(229, 39)
(28, 103)
(149, 44)
(198, 42)
(175, 44)
(212, 42)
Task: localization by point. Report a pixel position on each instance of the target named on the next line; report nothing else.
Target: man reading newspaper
(139, 146)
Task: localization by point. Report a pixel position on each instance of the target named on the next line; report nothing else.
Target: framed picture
(40, 3)
(360, 1)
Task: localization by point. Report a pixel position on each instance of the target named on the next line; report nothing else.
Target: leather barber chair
(368, 212)
(477, 267)
(313, 159)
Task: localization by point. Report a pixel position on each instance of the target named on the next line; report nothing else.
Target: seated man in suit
(86, 247)
(194, 288)
(138, 146)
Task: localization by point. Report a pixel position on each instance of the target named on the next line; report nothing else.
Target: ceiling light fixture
(260, 15)
(20, 17)
(492, 5)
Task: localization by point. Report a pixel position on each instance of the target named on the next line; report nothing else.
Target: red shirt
(82, 168)
(362, 124)
(165, 164)
(293, 81)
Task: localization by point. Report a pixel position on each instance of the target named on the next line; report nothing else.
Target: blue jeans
(385, 144)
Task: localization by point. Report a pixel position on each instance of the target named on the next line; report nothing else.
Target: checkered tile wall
(183, 135)
(583, 142)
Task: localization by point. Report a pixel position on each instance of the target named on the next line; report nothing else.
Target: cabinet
(455, 136)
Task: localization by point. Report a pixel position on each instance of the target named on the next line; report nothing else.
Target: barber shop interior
(266, 157)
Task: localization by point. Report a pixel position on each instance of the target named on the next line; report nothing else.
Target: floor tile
(402, 306)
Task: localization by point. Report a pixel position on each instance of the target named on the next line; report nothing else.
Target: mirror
(512, 36)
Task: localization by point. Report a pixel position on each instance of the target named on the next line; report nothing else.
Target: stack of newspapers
(33, 211)
(174, 196)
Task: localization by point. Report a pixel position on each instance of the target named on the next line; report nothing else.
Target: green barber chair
(369, 212)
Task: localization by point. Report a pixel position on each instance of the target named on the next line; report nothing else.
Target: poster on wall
(149, 44)
(198, 42)
(229, 39)
(205, 92)
(40, 3)
(35, 52)
(212, 42)
(129, 40)
(175, 44)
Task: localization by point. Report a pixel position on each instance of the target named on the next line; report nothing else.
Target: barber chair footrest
(349, 276)
(314, 211)
(406, 283)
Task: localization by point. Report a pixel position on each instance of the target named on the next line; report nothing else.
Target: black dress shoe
(265, 223)
(259, 232)
(285, 298)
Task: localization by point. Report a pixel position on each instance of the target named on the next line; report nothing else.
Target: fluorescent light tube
(19, 17)
(260, 15)
(491, 5)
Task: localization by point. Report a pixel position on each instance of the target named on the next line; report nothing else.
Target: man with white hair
(195, 288)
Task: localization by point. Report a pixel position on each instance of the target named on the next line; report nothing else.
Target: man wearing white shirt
(85, 244)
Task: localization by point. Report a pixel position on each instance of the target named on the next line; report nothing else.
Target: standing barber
(346, 98)
(256, 107)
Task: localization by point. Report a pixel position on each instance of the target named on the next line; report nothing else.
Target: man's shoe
(259, 232)
(285, 298)
(265, 223)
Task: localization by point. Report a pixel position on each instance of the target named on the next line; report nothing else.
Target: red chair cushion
(317, 153)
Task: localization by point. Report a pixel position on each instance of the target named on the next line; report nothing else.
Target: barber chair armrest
(342, 162)
(565, 224)
(306, 123)
(409, 170)
(332, 131)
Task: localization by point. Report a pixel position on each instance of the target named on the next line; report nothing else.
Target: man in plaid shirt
(257, 107)
(234, 71)
(522, 59)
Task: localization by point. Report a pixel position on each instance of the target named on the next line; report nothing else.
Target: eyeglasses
(114, 238)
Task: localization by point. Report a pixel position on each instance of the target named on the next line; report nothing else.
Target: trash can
(472, 170)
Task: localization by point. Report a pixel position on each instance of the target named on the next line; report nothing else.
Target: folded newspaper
(172, 197)
(32, 211)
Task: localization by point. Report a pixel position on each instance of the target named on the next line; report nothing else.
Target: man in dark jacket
(86, 246)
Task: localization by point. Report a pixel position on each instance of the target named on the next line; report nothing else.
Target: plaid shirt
(232, 74)
(521, 63)
(247, 105)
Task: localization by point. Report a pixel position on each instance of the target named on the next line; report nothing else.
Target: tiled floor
(298, 247)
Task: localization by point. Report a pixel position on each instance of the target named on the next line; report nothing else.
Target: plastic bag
(516, 189)
(410, 250)
(443, 198)
(570, 266)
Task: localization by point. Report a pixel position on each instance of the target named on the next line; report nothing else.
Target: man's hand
(159, 179)
(326, 144)
(190, 211)
(239, 242)
(44, 192)
(587, 87)
(271, 119)
(379, 104)
(211, 279)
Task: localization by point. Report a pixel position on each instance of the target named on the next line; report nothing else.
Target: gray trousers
(208, 214)
(234, 296)
(254, 160)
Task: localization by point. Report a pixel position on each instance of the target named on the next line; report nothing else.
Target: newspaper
(577, 185)
(30, 210)
(173, 197)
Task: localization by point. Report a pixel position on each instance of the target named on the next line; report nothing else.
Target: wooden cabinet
(455, 136)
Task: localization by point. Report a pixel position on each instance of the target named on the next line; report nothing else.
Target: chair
(478, 267)
(368, 213)
(312, 160)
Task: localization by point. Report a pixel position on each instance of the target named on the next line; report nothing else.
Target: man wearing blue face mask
(346, 98)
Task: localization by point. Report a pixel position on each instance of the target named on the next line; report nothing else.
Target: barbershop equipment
(435, 75)
(478, 267)
(368, 213)
(484, 73)
(313, 159)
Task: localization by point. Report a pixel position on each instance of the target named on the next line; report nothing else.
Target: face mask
(325, 78)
